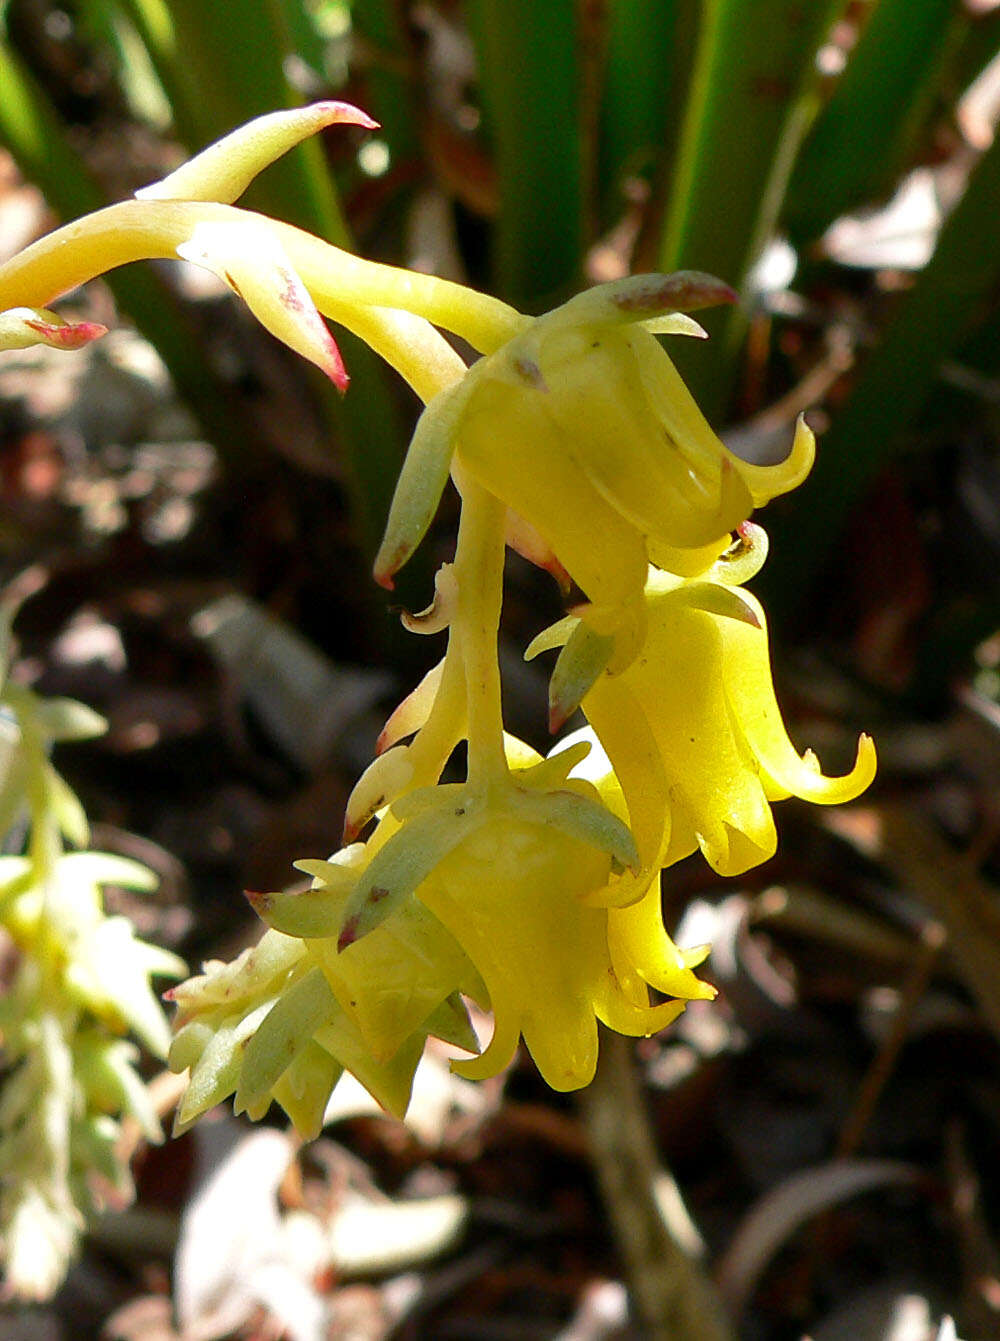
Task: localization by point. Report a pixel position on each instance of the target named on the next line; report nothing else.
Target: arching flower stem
(479, 561)
(136, 230)
(422, 356)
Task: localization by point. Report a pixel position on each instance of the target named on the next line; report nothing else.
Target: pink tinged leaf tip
(558, 716)
(387, 567)
(224, 170)
(343, 113)
(72, 335)
(412, 713)
(349, 932)
(23, 327)
(260, 903)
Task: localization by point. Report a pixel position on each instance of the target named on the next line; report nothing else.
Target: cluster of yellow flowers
(81, 981)
(531, 888)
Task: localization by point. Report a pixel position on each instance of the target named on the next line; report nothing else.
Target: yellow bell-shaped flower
(583, 427)
(694, 732)
(513, 896)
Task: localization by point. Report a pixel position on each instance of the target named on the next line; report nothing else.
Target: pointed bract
(22, 327)
(248, 256)
(226, 168)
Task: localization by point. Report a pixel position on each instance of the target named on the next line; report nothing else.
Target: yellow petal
(642, 952)
(624, 730)
(767, 482)
(625, 446)
(390, 981)
(511, 896)
(510, 445)
(750, 692)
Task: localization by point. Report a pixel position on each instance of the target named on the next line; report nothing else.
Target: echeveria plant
(531, 887)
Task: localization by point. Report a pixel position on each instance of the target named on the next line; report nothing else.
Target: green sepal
(94, 1142)
(552, 774)
(304, 1089)
(450, 1022)
(554, 636)
(645, 297)
(216, 1073)
(67, 811)
(108, 868)
(188, 1044)
(389, 1083)
(714, 599)
(402, 865)
(106, 1070)
(64, 719)
(421, 481)
(584, 657)
(310, 913)
(581, 818)
(290, 1024)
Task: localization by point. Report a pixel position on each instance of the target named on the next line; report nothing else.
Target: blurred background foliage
(835, 161)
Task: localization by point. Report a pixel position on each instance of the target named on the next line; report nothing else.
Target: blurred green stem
(531, 99)
(673, 1298)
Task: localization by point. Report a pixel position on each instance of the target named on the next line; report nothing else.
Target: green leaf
(747, 111)
(864, 136)
(950, 293)
(531, 89)
(387, 48)
(648, 56)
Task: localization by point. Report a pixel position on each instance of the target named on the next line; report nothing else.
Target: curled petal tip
(260, 903)
(813, 785)
(345, 113)
(441, 611)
